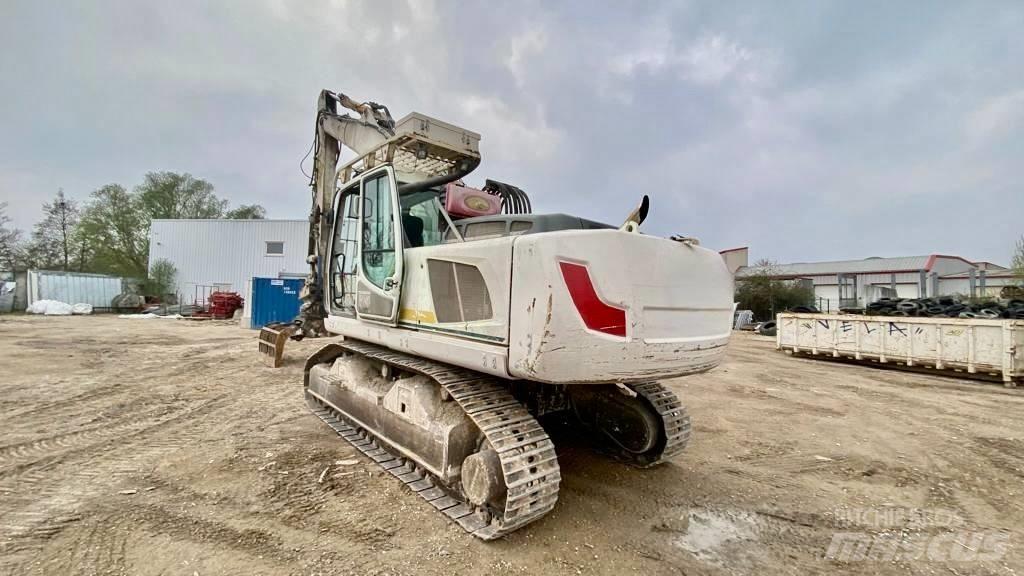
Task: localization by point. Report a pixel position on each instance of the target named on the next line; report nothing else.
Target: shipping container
(274, 300)
(964, 345)
(73, 287)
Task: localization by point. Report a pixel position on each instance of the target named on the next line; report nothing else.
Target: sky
(805, 130)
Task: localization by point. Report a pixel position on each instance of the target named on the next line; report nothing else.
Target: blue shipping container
(275, 300)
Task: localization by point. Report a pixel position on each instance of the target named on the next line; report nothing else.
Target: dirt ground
(165, 447)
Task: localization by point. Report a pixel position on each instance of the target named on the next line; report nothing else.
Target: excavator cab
(366, 248)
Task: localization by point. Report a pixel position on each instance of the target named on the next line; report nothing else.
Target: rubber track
(675, 420)
(527, 455)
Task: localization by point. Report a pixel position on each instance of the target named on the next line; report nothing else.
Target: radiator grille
(476, 302)
(443, 291)
(458, 291)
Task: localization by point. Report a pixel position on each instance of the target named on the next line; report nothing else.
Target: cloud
(707, 60)
(817, 132)
(523, 48)
(995, 119)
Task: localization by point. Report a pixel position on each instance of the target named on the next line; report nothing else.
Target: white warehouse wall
(227, 252)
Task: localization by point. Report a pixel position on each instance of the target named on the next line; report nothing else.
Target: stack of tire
(766, 328)
(769, 328)
(942, 307)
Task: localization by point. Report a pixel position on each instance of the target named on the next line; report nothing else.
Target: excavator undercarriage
(465, 443)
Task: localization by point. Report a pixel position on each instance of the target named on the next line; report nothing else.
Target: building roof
(212, 220)
(989, 273)
(733, 249)
(986, 265)
(873, 265)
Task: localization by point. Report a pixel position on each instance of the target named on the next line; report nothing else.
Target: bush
(766, 295)
(162, 275)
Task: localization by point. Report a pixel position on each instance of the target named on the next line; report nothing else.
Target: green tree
(52, 245)
(83, 249)
(115, 230)
(173, 195)
(113, 235)
(763, 292)
(247, 212)
(162, 275)
(11, 250)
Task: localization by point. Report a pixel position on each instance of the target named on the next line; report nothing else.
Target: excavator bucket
(271, 343)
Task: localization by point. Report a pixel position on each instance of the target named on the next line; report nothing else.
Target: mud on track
(224, 462)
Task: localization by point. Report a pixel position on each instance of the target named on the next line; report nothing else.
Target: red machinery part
(596, 314)
(223, 304)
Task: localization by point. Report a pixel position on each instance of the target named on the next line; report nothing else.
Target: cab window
(343, 253)
(378, 230)
(422, 221)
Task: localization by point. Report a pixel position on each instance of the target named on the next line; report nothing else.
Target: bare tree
(52, 242)
(11, 249)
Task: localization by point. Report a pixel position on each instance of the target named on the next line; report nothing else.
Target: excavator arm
(361, 134)
(366, 133)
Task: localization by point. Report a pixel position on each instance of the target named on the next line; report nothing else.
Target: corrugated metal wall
(73, 287)
(227, 252)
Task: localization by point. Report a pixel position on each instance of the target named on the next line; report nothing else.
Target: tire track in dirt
(36, 495)
(41, 499)
(20, 455)
(120, 382)
(294, 501)
(78, 400)
(97, 548)
(53, 451)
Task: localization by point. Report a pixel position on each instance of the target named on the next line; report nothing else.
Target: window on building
(275, 248)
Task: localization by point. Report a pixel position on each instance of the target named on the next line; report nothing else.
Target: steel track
(675, 421)
(526, 454)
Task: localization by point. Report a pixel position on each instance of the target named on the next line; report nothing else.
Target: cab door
(379, 281)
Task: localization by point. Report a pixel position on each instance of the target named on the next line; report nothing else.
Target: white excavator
(465, 318)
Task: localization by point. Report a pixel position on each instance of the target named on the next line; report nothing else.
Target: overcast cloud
(807, 131)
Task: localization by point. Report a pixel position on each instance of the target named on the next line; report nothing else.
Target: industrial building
(855, 283)
(211, 255)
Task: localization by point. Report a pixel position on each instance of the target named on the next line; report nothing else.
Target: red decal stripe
(596, 314)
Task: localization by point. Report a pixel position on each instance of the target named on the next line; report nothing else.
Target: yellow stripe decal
(413, 315)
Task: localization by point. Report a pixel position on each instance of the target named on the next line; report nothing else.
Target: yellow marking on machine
(413, 315)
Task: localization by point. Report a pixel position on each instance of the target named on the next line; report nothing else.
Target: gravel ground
(166, 447)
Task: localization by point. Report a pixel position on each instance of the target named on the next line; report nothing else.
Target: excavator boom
(362, 134)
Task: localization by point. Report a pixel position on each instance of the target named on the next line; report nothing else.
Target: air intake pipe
(463, 169)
